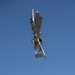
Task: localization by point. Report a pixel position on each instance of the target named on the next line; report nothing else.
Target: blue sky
(58, 33)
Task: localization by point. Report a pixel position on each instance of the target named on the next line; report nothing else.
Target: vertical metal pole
(33, 15)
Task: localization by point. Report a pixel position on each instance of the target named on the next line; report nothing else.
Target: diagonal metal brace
(42, 50)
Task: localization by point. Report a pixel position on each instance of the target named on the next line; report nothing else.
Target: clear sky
(58, 33)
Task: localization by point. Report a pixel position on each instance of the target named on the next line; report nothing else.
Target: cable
(46, 68)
